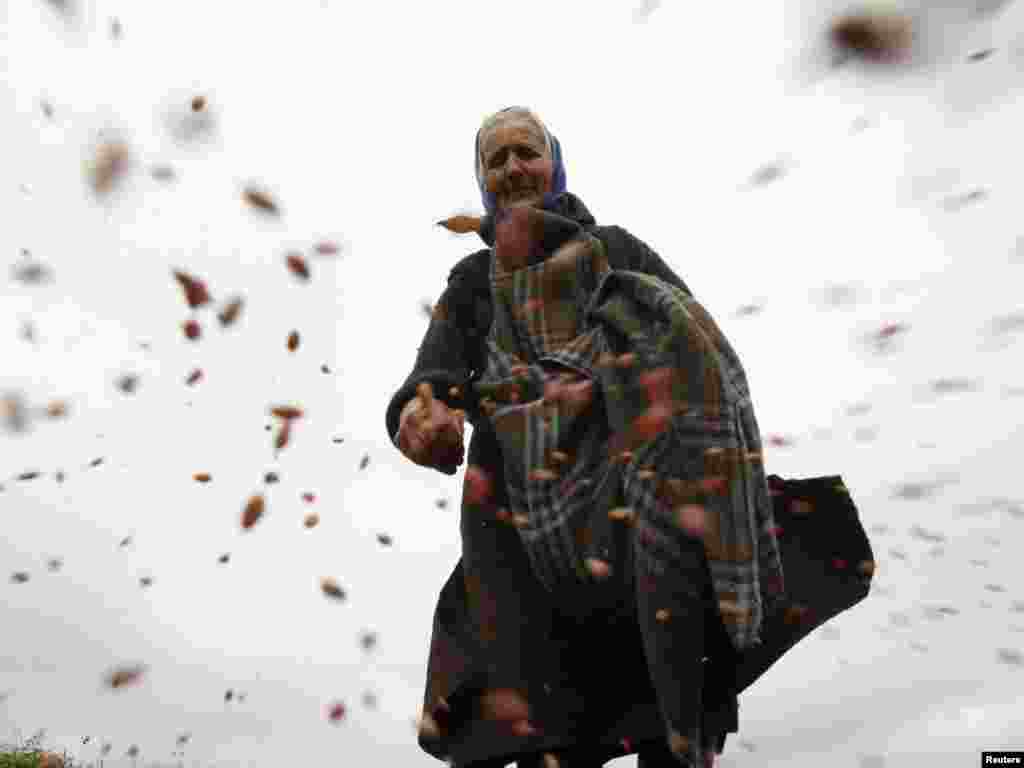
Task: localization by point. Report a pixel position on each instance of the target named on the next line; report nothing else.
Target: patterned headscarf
(554, 149)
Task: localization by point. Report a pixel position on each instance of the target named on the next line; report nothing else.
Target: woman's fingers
(432, 435)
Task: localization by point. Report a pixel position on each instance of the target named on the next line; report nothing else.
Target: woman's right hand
(430, 433)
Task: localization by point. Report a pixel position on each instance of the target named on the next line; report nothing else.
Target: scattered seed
(192, 329)
(692, 518)
(384, 540)
(125, 541)
(15, 413)
(96, 462)
(331, 588)
(297, 265)
(504, 704)
(957, 202)
(662, 615)
(599, 569)
(794, 613)
(326, 248)
(364, 462)
(477, 484)
(884, 335)
(201, 477)
(146, 581)
(920, 533)
(877, 37)
(1010, 656)
(57, 409)
(253, 511)
(128, 383)
(311, 520)
(229, 314)
(194, 377)
(19, 577)
(31, 273)
(196, 294)
(293, 341)
(950, 385)
(800, 507)
(224, 558)
(678, 743)
(324, 368)
(461, 224)
(283, 436)
(336, 712)
(198, 103)
(122, 676)
(54, 564)
(163, 173)
(270, 477)
(541, 475)
(28, 332)
(941, 611)
(286, 412)
(260, 200)
(913, 491)
(108, 167)
(229, 695)
(367, 640)
(621, 513)
(32, 475)
(441, 503)
(766, 174)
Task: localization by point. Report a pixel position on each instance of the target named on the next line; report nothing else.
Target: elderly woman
(619, 555)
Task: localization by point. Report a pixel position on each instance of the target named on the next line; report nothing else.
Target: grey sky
(359, 119)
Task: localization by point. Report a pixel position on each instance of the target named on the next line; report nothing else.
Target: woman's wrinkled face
(517, 163)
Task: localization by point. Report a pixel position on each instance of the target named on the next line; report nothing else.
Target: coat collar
(565, 204)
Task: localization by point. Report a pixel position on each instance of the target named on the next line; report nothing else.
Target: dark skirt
(602, 695)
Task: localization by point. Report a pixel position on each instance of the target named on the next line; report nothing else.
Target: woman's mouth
(518, 194)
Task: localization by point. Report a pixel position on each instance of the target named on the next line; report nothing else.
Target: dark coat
(586, 680)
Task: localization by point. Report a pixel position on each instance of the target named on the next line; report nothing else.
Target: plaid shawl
(595, 495)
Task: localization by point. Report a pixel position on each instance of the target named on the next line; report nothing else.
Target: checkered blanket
(665, 453)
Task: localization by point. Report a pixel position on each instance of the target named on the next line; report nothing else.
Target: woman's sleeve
(635, 255)
(442, 356)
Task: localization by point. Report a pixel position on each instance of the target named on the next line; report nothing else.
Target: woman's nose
(513, 165)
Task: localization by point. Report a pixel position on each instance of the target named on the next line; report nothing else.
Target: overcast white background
(359, 119)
